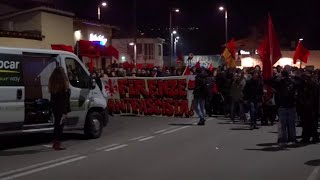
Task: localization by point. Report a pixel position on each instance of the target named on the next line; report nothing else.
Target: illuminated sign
(101, 38)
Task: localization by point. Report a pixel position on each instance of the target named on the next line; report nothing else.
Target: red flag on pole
(229, 54)
(301, 53)
(273, 43)
(269, 51)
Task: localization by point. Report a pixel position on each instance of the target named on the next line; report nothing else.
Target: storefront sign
(167, 96)
(96, 37)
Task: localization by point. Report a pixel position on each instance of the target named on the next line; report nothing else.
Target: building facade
(149, 50)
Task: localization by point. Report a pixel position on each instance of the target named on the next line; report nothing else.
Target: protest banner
(161, 96)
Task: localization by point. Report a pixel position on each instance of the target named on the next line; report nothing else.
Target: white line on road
(43, 168)
(315, 174)
(48, 145)
(168, 132)
(117, 147)
(147, 138)
(106, 147)
(137, 138)
(163, 130)
(36, 165)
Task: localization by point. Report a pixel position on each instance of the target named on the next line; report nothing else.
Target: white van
(24, 96)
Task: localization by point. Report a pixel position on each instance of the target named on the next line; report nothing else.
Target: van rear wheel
(94, 126)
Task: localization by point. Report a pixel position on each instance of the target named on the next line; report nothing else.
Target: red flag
(198, 65)
(229, 54)
(273, 43)
(186, 71)
(211, 67)
(62, 47)
(232, 47)
(179, 58)
(301, 53)
(269, 51)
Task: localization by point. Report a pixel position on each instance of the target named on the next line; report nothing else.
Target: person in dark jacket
(286, 102)
(253, 93)
(60, 103)
(309, 103)
(199, 95)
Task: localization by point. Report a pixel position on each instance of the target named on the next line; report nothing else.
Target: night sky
(292, 19)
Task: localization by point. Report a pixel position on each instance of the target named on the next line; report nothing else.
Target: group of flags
(269, 52)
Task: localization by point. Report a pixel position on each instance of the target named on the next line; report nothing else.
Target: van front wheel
(94, 126)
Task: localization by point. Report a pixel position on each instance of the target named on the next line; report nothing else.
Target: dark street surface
(161, 148)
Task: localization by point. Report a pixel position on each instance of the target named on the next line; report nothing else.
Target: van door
(11, 92)
(80, 89)
(37, 69)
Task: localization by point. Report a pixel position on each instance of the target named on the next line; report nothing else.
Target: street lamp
(176, 40)
(175, 10)
(301, 39)
(221, 8)
(174, 32)
(103, 4)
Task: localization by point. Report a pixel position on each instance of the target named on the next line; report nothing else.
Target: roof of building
(37, 9)
(94, 23)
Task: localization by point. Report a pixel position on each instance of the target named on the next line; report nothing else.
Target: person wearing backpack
(199, 93)
(286, 101)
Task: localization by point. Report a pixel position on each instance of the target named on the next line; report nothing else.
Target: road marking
(163, 130)
(168, 132)
(117, 147)
(147, 138)
(48, 145)
(137, 138)
(315, 174)
(43, 168)
(106, 147)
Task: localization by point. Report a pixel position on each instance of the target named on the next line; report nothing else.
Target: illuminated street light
(301, 39)
(174, 32)
(103, 4)
(131, 44)
(221, 8)
(172, 10)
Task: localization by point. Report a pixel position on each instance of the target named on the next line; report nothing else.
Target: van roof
(44, 51)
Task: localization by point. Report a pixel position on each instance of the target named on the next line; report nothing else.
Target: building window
(159, 50)
(139, 48)
(149, 51)
(130, 50)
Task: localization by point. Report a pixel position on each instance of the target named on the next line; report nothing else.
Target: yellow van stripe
(8, 71)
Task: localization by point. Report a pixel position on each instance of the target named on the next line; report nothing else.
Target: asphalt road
(161, 148)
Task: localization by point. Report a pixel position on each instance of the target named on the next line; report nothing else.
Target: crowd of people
(291, 96)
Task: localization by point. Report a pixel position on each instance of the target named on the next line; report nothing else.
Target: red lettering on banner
(140, 87)
(134, 106)
(132, 92)
(182, 88)
(120, 106)
(122, 84)
(167, 97)
(173, 91)
(150, 108)
(176, 108)
(152, 86)
(142, 107)
(157, 105)
(169, 107)
(160, 88)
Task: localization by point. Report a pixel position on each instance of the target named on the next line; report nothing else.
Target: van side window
(77, 75)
